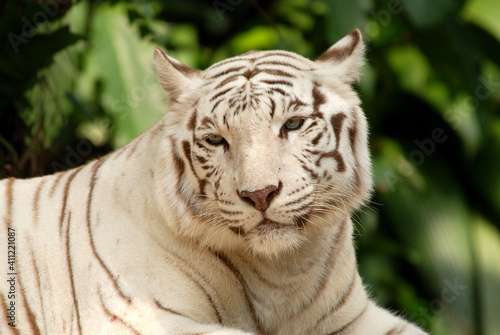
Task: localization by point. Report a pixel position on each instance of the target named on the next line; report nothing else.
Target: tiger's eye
(215, 140)
(294, 123)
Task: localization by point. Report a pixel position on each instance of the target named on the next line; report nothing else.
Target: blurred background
(76, 81)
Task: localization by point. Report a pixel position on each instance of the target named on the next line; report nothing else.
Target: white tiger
(229, 216)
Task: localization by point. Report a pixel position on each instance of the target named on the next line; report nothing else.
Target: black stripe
(179, 166)
(157, 128)
(113, 316)
(59, 176)
(318, 99)
(337, 122)
(36, 201)
(310, 128)
(227, 80)
(183, 267)
(329, 267)
(282, 54)
(340, 54)
(192, 120)
(277, 82)
(341, 302)
(220, 94)
(230, 212)
(343, 329)
(316, 140)
(201, 160)
(296, 103)
(248, 74)
(278, 90)
(31, 317)
(281, 64)
(71, 274)
(93, 181)
(298, 201)
(227, 263)
(134, 144)
(299, 209)
(65, 197)
(206, 122)
(168, 310)
(353, 136)
(348, 293)
(226, 122)
(215, 106)
(225, 72)
(397, 330)
(38, 285)
(304, 165)
(276, 72)
(216, 186)
(10, 199)
(225, 62)
(273, 107)
(341, 166)
(238, 230)
(118, 152)
(186, 148)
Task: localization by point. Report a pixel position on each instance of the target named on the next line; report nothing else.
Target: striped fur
(230, 216)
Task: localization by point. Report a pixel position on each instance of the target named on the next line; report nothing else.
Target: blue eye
(215, 140)
(294, 123)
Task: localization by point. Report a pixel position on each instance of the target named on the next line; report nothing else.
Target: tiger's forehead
(262, 67)
(280, 63)
(256, 82)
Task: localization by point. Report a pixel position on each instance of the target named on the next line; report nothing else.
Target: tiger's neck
(281, 288)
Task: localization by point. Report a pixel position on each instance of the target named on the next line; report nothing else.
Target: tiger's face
(271, 144)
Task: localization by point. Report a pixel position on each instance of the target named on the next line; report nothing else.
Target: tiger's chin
(271, 238)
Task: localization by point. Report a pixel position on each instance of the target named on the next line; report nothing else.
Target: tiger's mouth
(268, 225)
(270, 237)
(298, 222)
(268, 222)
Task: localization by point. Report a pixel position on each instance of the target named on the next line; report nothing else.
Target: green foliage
(429, 242)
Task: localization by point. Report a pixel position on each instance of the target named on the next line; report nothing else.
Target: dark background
(76, 81)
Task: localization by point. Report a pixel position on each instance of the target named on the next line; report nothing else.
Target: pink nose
(261, 199)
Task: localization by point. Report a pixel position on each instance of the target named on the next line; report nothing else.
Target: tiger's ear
(343, 59)
(173, 75)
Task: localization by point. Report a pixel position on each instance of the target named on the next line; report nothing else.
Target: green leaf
(487, 248)
(122, 60)
(484, 13)
(257, 38)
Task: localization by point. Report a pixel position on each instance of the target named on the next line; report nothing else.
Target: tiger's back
(229, 216)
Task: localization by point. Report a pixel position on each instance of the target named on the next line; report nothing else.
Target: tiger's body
(230, 216)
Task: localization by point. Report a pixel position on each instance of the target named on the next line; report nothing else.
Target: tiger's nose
(261, 199)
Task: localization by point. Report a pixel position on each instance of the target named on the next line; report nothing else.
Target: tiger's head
(264, 147)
